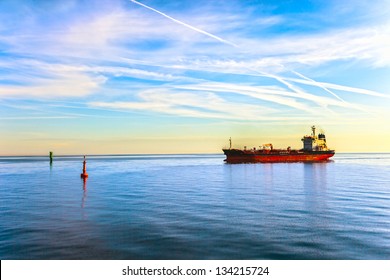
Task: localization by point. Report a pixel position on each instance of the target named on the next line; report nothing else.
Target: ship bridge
(313, 142)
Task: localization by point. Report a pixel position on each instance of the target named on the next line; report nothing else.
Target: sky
(153, 76)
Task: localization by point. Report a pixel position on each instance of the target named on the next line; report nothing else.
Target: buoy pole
(84, 174)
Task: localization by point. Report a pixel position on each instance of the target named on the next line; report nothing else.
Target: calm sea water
(194, 207)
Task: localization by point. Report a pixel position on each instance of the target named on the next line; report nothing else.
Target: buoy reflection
(84, 192)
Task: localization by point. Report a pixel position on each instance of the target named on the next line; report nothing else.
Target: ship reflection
(315, 185)
(278, 162)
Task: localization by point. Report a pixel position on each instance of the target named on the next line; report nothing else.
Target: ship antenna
(313, 128)
(230, 142)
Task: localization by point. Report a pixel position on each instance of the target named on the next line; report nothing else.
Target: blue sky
(183, 76)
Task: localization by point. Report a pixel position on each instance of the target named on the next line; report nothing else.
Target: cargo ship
(314, 149)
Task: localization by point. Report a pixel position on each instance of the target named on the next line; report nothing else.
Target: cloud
(361, 44)
(279, 79)
(192, 104)
(341, 88)
(85, 54)
(58, 86)
(36, 117)
(273, 94)
(219, 101)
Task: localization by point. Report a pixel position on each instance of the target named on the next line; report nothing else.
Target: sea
(194, 207)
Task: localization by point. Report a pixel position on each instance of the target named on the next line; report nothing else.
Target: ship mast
(230, 142)
(313, 128)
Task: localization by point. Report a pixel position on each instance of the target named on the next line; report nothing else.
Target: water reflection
(315, 186)
(84, 192)
(315, 176)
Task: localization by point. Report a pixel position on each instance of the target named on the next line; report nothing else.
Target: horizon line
(154, 154)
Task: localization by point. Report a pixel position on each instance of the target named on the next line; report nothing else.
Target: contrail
(315, 83)
(292, 87)
(186, 25)
(279, 79)
(318, 85)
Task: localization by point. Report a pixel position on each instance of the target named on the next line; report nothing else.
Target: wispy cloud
(341, 88)
(115, 55)
(36, 117)
(277, 78)
(192, 104)
(63, 85)
(273, 94)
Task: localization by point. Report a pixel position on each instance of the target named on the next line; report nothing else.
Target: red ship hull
(243, 156)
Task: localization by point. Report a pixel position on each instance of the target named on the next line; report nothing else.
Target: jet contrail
(279, 79)
(186, 25)
(318, 85)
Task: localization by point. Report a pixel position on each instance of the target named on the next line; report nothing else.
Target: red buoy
(84, 174)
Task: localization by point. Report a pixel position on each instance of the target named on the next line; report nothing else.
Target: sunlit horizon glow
(150, 76)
